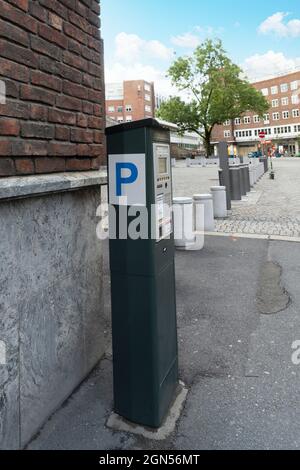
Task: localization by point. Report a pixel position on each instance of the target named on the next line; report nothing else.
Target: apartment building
(130, 100)
(281, 124)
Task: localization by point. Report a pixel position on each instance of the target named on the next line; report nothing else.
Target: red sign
(262, 135)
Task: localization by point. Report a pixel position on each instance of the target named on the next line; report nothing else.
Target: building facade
(281, 124)
(130, 100)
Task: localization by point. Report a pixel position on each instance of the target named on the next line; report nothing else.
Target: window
(226, 123)
(285, 115)
(148, 108)
(111, 109)
(265, 91)
(227, 134)
(128, 108)
(237, 121)
(266, 118)
(120, 109)
(147, 87)
(275, 103)
(256, 119)
(120, 119)
(294, 85)
(276, 116)
(274, 90)
(285, 101)
(284, 87)
(147, 97)
(296, 113)
(247, 120)
(295, 99)
(128, 118)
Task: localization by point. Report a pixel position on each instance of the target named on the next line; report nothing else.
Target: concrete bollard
(173, 160)
(204, 202)
(235, 182)
(183, 211)
(252, 175)
(219, 201)
(188, 162)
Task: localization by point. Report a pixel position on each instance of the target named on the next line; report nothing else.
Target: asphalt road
(244, 390)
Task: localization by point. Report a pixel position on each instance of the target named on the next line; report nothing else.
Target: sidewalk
(236, 362)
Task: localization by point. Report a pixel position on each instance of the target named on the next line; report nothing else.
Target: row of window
(128, 109)
(285, 101)
(268, 132)
(256, 119)
(120, 119)
(283, 87)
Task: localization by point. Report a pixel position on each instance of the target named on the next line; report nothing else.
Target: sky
(142, 38)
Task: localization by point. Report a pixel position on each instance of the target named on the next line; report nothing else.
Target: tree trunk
(207, 144)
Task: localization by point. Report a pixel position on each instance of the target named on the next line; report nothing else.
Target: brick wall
(51, 60)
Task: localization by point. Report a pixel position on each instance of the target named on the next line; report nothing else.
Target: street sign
(262, 134)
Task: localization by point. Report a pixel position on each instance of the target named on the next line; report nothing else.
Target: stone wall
(51, 61)
(51, 296)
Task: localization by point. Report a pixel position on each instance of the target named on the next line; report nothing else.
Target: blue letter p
(120, 180)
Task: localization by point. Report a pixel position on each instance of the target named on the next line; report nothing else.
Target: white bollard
(220, 202)
(204, 203)
(188, 162)
(173, 162)
(183, 222)
(252, 175)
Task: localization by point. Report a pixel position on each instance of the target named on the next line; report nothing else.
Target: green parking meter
(144, 329)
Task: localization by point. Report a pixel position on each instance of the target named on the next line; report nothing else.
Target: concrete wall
(51, 303)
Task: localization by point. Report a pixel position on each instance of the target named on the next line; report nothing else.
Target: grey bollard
(220, 202)
(235, 183)
(204, 201)
(242, 181)
(184, 236)
(246, 179)
(252, 175)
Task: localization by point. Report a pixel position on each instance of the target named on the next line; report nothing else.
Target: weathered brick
(5, 148)
(13, 70)
(13, 33)
(24, 166)
(29, 148)
(77, 164)
(75, 61)
(15, 109)
(98, 110)
(96, 150)
(75, 90)
(67, 102)
(82, 120)
(62, 149)
(49, 65)
(49, 165)
(94, 44)
(9, 127)
(7, 167)
(38, 131)
(95, 96)
(22, 4)
(12, 89)
(31, 93)
(52, 35)
(62, 133)
(38, 12)
(95, 122)
(79, 21)
(16, 16)
(83, 150)
(94, 69)
(55, 21)
(62, 117)
(46, 80)
(46, 48)
(55, 6)
(95, 7)
(87, 107)
(82, 135)
(98, 137)
(38, 112)
(18, 54)
(70, 73)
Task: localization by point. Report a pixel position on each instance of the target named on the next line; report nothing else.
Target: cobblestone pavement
(272, 207)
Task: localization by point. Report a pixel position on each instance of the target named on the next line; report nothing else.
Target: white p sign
(127, 179)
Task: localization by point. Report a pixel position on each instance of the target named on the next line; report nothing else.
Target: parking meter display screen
(162, 166)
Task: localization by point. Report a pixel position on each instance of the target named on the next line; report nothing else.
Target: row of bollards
(195, 216)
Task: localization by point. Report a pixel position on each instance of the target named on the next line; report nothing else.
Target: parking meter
(144, 330)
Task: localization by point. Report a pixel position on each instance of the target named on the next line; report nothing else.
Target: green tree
(215, 92)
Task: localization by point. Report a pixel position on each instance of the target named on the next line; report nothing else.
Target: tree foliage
(215, 90)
